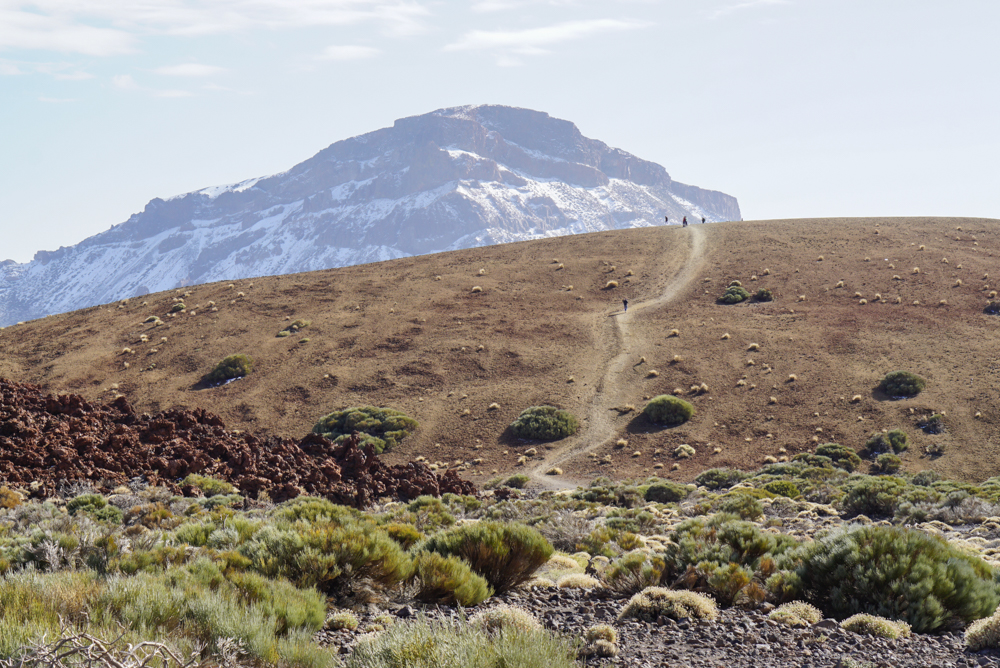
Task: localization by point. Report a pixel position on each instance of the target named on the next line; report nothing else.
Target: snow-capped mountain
(453, 178)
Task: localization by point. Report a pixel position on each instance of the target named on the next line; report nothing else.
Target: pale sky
(799, 108)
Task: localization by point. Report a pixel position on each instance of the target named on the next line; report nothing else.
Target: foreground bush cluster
(203, 573)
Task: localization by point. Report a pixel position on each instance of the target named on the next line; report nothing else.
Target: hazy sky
(799, 108)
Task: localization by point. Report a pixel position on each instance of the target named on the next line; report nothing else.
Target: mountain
(454, 178)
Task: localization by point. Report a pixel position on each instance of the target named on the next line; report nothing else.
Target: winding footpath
(619, 342)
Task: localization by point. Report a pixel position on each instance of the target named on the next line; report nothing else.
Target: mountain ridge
(455, 178)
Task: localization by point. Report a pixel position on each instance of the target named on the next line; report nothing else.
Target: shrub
(504, 617)
(764, 295)
(601, 632)
(668, 410)
(782, 488)
(234, 366)
(209, 486)
(734, 295)
(888, 463)
(176, 308)
(86, 503)
(384, 428)
(544, 423)
(344, 619)
(505, 554)
(902, 384)
(406, 535)
(666, 492)
(840, 455)
(743, 505)
(448, 581)
(796, 613)
(720, 478)
(633, 572)
(895, 441)
(992, 308)
(427, 644)
(578, 581)
(9, 498)
(517, 481)
(984, 633)
(926, 478)
(932, 424)
(900, 574)
(652, 602)
(873, 625)
(872, 496)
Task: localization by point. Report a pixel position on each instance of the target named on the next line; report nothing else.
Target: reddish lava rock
(54, 439)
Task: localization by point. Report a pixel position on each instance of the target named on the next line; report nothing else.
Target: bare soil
(412, 335)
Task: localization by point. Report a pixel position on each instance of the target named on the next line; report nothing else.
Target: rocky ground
(52, 440)
(737, 638)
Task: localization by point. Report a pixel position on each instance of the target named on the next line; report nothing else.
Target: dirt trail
(619, 342)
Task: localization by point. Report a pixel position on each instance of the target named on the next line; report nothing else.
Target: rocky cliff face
(454, 178)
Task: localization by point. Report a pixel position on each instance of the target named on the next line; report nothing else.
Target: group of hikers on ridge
(684, 223)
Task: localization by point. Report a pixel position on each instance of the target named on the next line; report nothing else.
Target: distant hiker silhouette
(666, 220)
(625, 302)
(685, 221)
(703, 220)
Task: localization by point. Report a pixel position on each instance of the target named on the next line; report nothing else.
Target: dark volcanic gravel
(737, 638)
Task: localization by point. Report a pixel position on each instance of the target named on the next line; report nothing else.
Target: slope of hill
(854, 299)
(454, 178)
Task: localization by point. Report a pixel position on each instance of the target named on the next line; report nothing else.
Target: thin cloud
(9, 69)
(124, 81)
(189, 70)
(171, 93)
(532, 41)
(57, 100)
(30, 30)
(348, 52)
(750, 4)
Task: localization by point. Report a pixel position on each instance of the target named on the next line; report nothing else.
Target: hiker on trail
(625, 302)
(666, 220)
(703, 220)
(685, 222)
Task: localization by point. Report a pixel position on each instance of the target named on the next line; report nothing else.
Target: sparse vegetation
(544, 423)
(383, 428)
(763, 295)
(894, 441)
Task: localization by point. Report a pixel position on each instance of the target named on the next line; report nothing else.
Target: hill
(454, 178)
(546, 328)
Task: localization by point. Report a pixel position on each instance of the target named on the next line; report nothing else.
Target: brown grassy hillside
(411, 334)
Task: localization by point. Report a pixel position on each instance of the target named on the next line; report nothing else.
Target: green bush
(720, 478)
(888, 463)
(902, 384)
(872, 496)
(734, 295)
(505, 554)
(900, 574)
(783, 488)
(441, 644)
(209, 486)
(668, 410)
(926, 478)
(544, 423)
(517, 481)
(764, 295)
(406, 535)
(840, 455)
(176, 308)
(634, 571)
(666, 492)
(382, 427)
(234, 366)
(448, 580)
(741, 504)
(894, 441)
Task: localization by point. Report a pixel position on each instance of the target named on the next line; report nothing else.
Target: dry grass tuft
(652, 373)
(673, 332)
(476, 288)
(611, 284)
(725, 336)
